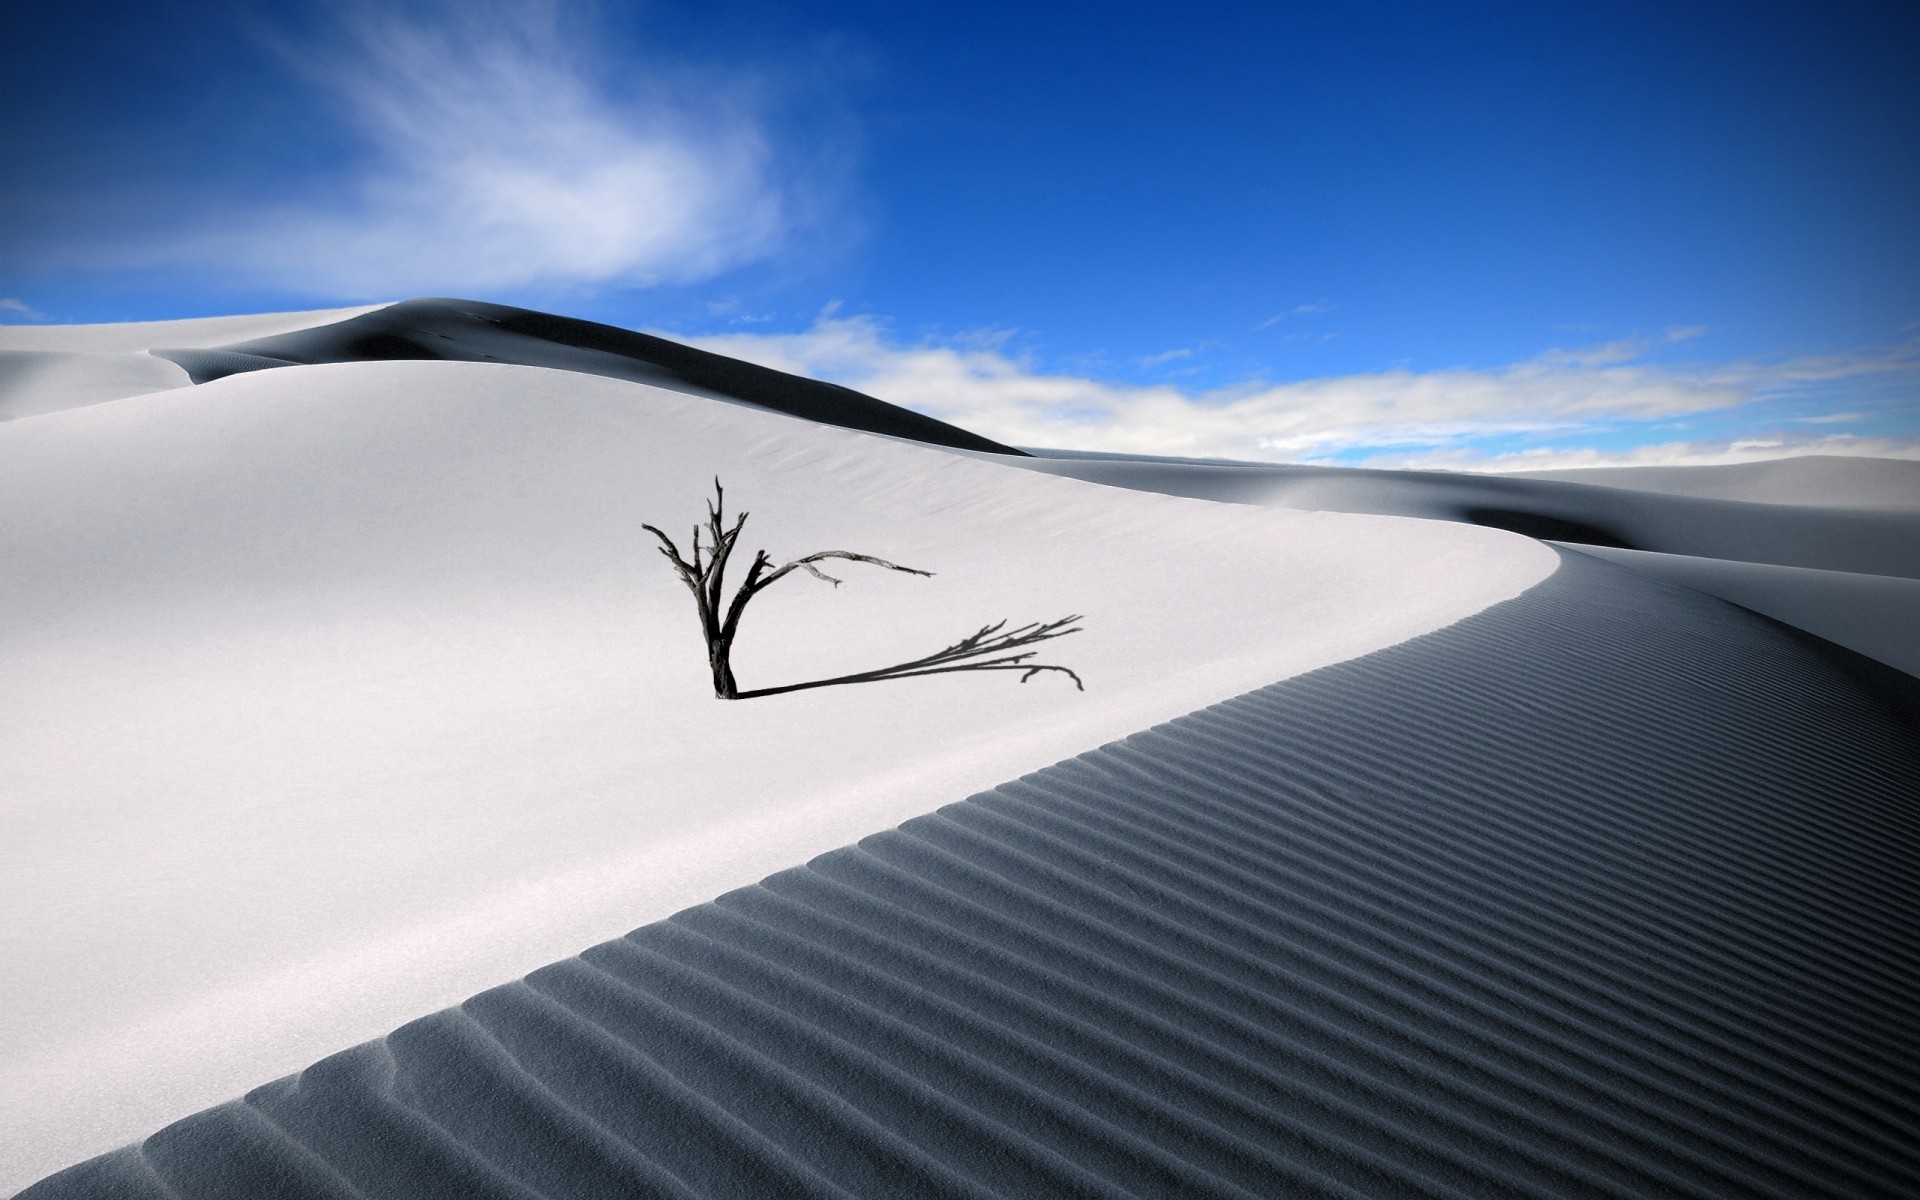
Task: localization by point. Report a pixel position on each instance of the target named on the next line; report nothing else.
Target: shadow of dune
(1537, 525)
(473, 331)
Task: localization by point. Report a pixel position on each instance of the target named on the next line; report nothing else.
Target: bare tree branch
(972, 653)
(984, 650)
(806, 564)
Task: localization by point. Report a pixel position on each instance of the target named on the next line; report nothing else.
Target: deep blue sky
(1122, 194)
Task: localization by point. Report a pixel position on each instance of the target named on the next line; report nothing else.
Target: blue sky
(1469, 235)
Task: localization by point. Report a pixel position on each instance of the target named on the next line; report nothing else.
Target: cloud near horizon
(1459, 418)
(497, 154)
(1704, 453)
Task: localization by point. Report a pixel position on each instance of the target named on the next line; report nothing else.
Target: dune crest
(50, 368)
(362, 681)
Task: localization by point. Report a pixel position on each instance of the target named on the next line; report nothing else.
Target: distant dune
(1846, 574)
(1820, 480)
(470, 331)
(1419, 833)
(48, 368)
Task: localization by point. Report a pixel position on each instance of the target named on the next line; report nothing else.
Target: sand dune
(47, 368)
(1823, 480)
(1409, 925)
(472, 331)
(362, 682)
(344, 686)
(1845, 573)
(1874, 615)
(1874, 541)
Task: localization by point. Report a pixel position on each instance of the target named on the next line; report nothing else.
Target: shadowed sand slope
(1883, 540)
(473, 331)
(1874, 615)
(1608, 890)
(1819, 479)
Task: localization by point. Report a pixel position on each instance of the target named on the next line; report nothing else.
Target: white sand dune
(1602, 891)
(337, 693)
(343, 693)
(48, 368)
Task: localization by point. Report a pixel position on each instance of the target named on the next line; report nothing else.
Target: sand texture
(1874, 615)
(1605, 891)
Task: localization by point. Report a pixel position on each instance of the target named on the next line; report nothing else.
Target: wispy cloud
(1298, 310)
(1408, 416)
(501, 150)
(1703, 453)
(15, 306)
(1166, 356)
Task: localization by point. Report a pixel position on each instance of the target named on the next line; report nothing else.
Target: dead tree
(705, 576)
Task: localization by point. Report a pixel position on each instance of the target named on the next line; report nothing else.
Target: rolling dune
(1556, 901)
(340, 692)
(473, 331)
(1417, 856)
(51, 368)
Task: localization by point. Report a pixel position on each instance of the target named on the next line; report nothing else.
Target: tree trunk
(720, 656)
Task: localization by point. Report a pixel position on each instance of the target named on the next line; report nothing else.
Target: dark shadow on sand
(1608, 890)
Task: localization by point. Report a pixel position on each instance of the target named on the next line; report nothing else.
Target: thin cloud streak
(1298, 310)
(1703, 453)
(1411, 416)
(1166, 356)
(497, 156)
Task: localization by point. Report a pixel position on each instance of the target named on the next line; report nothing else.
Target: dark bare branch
(986, 649)
(806, 564)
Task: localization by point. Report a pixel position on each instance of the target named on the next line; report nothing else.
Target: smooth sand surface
(42, 381)
(1606, 890)
(338, 693)
(1822, 480)
(47, 368)
(134, 336)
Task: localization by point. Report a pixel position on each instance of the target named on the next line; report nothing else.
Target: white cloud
(19, 307)
(1664, 454)
(1298, 310)
(1838, 418)
(1166, 356)
(1415, 415)
(498, 153)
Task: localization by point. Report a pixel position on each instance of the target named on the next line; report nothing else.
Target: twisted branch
(705, 577)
